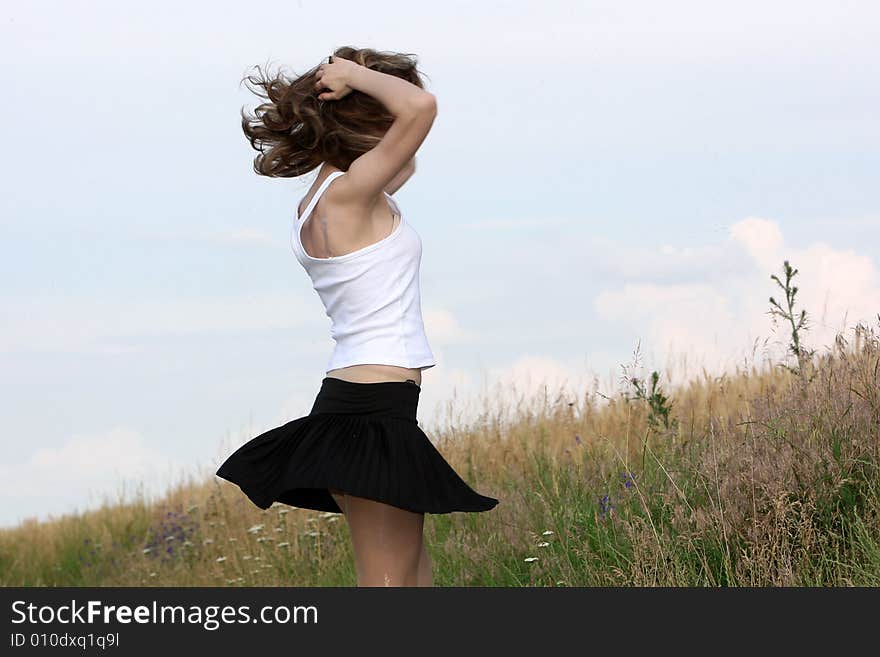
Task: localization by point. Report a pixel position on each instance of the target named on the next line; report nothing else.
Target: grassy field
(761, 477)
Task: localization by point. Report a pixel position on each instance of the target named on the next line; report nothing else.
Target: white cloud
(442, 326)
(832, 284)
(85, 470)
(666, 263)
(532, 376)
(695, 317)
(464, 396)
(715, 320)
(761, 238)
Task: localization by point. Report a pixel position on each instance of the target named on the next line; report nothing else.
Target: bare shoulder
(341, 195)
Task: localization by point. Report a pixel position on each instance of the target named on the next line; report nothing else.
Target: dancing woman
(359, 119)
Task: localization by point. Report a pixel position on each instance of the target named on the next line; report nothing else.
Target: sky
(601, 178)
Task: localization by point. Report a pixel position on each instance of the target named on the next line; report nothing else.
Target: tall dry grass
(766, 476)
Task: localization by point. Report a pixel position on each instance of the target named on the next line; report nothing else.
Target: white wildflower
(547, 532)
(543, 544)
(148, 550)
(255, 529)
(221, 559)
(284, 544)
(530, 559)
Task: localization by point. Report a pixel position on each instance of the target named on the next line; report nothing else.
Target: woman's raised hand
(334, 76)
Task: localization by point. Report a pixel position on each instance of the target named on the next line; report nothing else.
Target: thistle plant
(797, 320)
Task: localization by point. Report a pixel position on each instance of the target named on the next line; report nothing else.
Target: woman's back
(340, 230)
(370, 288)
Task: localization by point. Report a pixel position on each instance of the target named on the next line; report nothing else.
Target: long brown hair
(295, 132)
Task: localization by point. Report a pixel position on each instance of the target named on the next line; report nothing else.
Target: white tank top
(371, 296)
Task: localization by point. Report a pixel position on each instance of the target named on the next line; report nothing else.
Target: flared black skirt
(359, 438)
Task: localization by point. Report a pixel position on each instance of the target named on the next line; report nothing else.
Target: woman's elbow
(425, 102)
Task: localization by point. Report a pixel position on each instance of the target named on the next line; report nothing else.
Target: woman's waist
(374, 372)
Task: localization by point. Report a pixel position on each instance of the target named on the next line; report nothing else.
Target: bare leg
(387, 542)
(426, 578)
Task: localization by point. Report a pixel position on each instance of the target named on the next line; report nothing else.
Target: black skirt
(359, 438)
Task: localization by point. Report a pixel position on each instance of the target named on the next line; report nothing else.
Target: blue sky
(600, 175)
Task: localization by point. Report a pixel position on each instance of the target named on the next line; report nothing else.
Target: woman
(360, 117)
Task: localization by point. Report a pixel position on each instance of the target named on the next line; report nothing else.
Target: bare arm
(376, 169)
(396, 94)
(414, 110)
(402, 176)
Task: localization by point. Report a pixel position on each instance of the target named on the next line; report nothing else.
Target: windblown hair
(295, 132)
